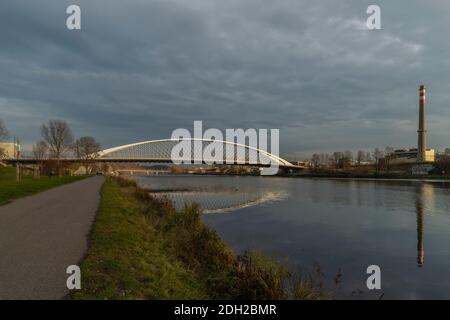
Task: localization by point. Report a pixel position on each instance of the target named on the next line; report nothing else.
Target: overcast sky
(140, 69)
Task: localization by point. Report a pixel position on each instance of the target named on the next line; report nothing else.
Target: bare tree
(40, 150)
(325, 160)
(336, 159)
(377, 155)
(87, 148)
(315, 160)
(388, 152)
(348, 158)
(361, 156)
(59, 139)
(368, 157)
(443, 164)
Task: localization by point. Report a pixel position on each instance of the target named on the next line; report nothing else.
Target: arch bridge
(194, 151)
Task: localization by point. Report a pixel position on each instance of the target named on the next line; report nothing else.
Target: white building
(9, 150)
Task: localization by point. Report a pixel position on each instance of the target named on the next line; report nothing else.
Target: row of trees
(345, 159)
(58, 142)
(443, 163)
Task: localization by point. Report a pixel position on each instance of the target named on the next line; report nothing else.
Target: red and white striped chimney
(422, 143)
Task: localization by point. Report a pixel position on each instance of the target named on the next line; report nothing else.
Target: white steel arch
(160, 150)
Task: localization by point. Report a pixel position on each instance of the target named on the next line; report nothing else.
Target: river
(341, 225)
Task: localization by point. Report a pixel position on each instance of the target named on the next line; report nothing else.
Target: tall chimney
(422, 144)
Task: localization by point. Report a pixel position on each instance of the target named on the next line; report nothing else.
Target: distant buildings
(303, 163)
(9, 150)
(419, 160)
(402, 156)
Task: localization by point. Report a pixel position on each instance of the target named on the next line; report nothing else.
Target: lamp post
(17, 154)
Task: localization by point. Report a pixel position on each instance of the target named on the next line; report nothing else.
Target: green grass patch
(143, 248)
(11, 189)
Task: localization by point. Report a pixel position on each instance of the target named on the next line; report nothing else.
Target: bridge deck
(140, 160)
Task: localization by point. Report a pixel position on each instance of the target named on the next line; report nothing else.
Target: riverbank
(11, 189)
(373, 176)
(143, 248)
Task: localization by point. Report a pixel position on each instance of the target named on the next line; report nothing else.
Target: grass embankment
(142, 248)
(11, 189)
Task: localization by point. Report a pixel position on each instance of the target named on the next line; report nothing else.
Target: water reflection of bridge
(220, 201)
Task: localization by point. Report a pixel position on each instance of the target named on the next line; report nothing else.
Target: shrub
(124, 183)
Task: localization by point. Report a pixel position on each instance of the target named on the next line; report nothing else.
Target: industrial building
(421, 154)
(401, 156)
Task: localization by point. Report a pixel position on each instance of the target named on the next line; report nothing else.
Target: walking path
(41, 235)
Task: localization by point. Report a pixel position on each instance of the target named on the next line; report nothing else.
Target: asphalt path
(41, 235)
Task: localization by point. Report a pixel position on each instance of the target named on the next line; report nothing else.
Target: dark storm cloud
(139, 69)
